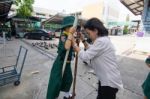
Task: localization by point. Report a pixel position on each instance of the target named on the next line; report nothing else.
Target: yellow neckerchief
(66, 33)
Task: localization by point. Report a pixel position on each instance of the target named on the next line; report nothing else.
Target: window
(40, 14)
(39, 31)
(50, 15)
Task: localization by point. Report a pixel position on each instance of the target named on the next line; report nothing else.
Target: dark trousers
(106, 92)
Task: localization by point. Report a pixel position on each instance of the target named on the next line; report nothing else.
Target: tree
(126, 30)
(24, 10)
(25, 7)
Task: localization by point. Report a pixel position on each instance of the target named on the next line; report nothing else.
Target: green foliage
(125, 30)
(24, 7)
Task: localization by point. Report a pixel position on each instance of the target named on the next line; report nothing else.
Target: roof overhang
(135, 6)
(5, 6)
(59, 18)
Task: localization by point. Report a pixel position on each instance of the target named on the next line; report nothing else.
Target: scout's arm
(69, 39)
(68, 42)
(145, 97)
(86, 45)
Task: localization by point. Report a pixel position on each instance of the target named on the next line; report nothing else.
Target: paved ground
(38, 64)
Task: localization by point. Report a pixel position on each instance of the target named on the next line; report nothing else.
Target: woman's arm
(86, 45)
(91, 52)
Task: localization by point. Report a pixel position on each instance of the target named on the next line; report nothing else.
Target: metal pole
(4, 44)
(67, 53)
(75, 70)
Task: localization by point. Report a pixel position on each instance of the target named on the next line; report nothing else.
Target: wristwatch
(84, 41)
(75, 46)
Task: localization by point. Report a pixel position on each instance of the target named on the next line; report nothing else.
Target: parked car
(40, 34)
(51, 32)
(57, 33)
(20, 34)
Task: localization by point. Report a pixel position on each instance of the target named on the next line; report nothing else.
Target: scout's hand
(68, 42)
(73, 41)
(72, 30)
(76, 48)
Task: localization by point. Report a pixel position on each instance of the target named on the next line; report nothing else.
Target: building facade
(39, 15)
(93, 10)
(105, 10)
(102, 10)
(38, 12)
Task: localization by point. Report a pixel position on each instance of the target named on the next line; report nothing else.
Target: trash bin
(140, 34)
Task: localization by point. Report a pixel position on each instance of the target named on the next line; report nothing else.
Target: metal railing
(3, 46)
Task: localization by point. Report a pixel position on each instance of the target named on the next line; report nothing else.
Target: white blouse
(101, 55)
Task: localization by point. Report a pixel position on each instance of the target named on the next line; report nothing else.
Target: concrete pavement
(37, 68)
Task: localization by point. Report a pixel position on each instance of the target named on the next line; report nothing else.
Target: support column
(146, 18)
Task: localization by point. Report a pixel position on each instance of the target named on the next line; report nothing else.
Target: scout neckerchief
(66, 33)
(63, 38)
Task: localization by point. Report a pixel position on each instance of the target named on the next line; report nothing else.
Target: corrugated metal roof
(58, 19)
(135, 6)
(5, 6)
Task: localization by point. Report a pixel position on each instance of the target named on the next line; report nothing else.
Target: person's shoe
(70, 97)
(67, 98)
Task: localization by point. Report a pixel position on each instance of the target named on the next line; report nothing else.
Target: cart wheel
(26, 37)
(16, 83)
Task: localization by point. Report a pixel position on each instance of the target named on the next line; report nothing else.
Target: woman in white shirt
(101, 55)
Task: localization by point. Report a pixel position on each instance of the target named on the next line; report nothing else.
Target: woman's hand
(75, 46)
(81, 36)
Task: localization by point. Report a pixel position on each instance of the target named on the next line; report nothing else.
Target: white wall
(93, 10)
(122, 10)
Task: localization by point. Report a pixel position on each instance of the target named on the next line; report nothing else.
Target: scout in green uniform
(146, 84)
(57, 81)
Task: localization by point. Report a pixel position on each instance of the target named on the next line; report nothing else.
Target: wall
(93, 10)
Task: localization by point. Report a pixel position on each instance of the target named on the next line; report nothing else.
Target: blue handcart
(12, 74)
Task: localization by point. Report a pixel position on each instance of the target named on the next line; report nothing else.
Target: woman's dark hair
(95, 23)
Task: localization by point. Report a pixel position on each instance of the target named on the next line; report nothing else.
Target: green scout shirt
(61, 48)
(147, 61)
(146, 87)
